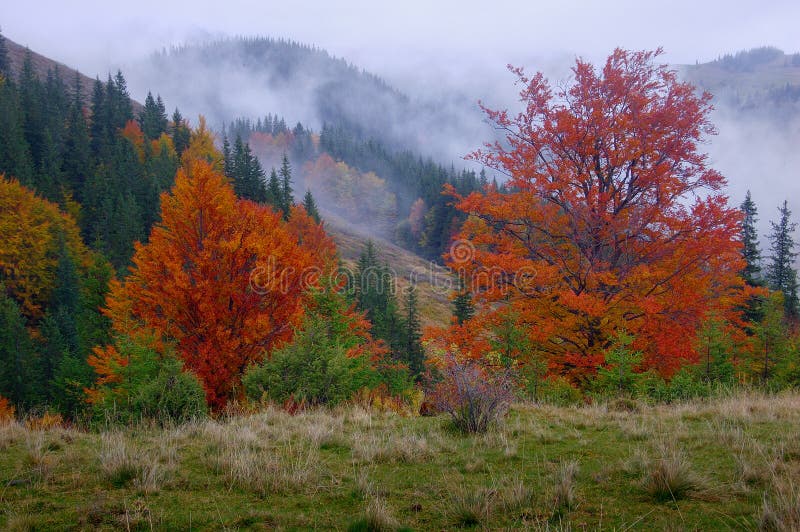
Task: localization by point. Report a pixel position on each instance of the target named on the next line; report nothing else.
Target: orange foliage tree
(222, 279)
(31, 229)
(611, 219)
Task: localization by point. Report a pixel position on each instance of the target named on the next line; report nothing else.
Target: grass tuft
(668, 476)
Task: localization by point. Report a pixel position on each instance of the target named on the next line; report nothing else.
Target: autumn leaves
(193, 284)
(612, 205)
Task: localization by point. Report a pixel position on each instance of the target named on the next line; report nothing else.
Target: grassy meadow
(723, 464)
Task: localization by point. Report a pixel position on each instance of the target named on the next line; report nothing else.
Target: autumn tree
(611, 218)
(221, 279)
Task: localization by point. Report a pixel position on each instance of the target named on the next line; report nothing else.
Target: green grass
(719, 465)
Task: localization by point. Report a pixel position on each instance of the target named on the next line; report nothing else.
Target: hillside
(260, 75)
(725, 464)
(756, 96)
(42, 66)
(762, 81)
(434, 282)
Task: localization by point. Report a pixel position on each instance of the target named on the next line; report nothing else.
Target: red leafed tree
(611, 218)
(222, 279)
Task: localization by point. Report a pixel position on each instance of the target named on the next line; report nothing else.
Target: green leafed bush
(315, 368)
(152, 386)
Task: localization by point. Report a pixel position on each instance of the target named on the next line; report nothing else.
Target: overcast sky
(429, 46)
(423, 39)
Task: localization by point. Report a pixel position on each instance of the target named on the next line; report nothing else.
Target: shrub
(618, 376)
(314, 369)
(6, 411)
(474, 396)
(45, 421)
(173, 396)
(150, 386)
(557, 390)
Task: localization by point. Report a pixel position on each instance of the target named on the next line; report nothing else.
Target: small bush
(173, 396)
(151, 386)
(557, 391)
(314, 369)
(474, 396)
(6, 411)
(118, 462)
(46, 421)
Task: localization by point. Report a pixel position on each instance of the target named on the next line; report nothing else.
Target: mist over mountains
(757, 114)
(251, 77)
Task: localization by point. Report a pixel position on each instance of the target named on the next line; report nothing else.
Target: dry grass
(564, 493)
(780, 510)
(42, 456)
(147, 470)
(261, 465)
(325, 468)
(378, 517)
(668, 475)
(467, 508)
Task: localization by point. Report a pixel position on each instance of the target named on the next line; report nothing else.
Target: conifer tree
(274, 191)
(120, 102)
(374, 294)
(97, 129)
(153, 118)
(16, 354)
(413, 354)
(463, 307)
(750, 249)
(76, 164)
(311, 206)
(181, 135)
(32, 110)
(227, 158)
(245, 172)
(781, 274)
(287, 199)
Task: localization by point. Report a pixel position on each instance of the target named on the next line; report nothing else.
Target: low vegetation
(727, 462)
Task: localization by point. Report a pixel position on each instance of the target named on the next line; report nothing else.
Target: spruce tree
(180, 132)
(781, 274)
(97, 129)
(374, 294)
(32, 109)
(153, 118)
(18, 378)
(463, 307)
(274, 191)
(120, 106)
(76, 164)
(414, 354)
(311, 206)
(15, 157)
(227, 158)
(287, 199)
(750, 249)
(245, 172)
